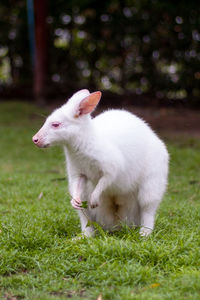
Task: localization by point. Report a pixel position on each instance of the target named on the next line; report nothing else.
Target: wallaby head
(66, 121)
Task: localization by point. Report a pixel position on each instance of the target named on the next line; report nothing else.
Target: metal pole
(41, 57)
(31, 29)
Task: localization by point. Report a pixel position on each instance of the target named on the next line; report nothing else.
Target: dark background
(146, 52)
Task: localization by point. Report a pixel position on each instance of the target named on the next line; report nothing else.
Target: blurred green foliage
(126, 46)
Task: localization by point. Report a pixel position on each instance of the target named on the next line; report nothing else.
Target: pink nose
(35, 140)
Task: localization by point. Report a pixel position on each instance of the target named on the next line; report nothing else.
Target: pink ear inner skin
(89, 103)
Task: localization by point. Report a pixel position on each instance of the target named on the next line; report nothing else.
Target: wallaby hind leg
(149, 197)
(80, 195)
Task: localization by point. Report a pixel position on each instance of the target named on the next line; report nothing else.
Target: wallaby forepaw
(76, 203)
(94, 202)
(94, 205)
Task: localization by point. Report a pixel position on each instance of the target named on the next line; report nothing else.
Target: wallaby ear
(88, 104)
(82, 93)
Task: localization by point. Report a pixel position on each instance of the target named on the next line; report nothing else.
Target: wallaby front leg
(101, 186)
(77, 190)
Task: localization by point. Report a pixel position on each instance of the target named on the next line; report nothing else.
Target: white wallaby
(115, 162)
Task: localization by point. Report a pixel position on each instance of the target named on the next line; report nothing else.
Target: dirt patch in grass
(170, 120)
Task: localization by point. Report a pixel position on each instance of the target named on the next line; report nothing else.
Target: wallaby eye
(55, 124)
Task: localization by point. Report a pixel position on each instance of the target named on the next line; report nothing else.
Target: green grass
(39, 258)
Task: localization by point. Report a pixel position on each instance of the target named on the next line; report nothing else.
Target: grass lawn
(39, 258)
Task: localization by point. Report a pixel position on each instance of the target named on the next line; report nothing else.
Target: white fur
(114, 161)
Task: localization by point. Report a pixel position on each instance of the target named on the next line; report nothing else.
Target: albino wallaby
(115, 162)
